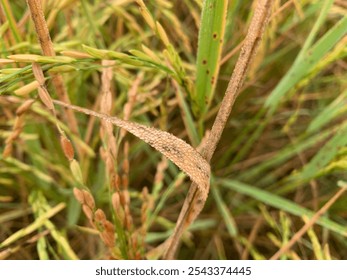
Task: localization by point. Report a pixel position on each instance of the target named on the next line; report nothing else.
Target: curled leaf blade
(175, 149)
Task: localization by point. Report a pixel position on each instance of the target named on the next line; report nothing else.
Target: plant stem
(42, 32)
(193, 204)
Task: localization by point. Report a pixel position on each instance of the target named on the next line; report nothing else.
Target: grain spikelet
(78, 195)
(67, 147)
(25, 90)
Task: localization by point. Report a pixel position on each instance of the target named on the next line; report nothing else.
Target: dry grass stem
(109, 150)
(252, 237)
(193, 203)
(17, 127)
(16, 131)
(106, 102)
(248, 51)
(308, 225)
(44, 37)
(8, 35)
(161, 167)
(128, 107)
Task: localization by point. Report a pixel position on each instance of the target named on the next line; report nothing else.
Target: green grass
(211, 37)
(280, 157)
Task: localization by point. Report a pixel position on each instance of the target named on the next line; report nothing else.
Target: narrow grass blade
(92, 24)
(31, 170)
(34, 226)
(282, 156)
(325, 7)
(164, 197)
(62, 241)
(281, 203)
(329, 113)
(324, 156)
(187, 117)
(303, 66)
(225, 212)
(11, 20)
(306, 62)
(210, 43)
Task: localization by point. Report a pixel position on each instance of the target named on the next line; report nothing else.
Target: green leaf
(281, 203)
(210, 43)
(329, 113)
(305, 62)
(225, 212)
(324, 156)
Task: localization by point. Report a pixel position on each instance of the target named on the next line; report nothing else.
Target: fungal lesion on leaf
(172, 150)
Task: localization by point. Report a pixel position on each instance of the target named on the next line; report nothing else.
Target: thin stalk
(193, 204)
(42, 31)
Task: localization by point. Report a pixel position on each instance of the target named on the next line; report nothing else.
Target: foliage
(72, 186)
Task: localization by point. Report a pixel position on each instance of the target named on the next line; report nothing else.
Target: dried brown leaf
(194, 203)
(175, 149)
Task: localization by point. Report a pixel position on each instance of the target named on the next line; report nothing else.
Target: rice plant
(205, 129)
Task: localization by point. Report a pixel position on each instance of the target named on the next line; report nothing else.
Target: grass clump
(76, 183)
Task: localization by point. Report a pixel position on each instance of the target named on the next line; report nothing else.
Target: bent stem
(193, 205)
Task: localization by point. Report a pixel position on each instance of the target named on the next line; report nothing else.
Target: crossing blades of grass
(34, 226)
(329, 113)
(324, 156)
(258, 171)
(281, 203)
(306, 61)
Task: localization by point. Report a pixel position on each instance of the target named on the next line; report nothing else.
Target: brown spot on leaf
(204, 61)
(214, 35)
